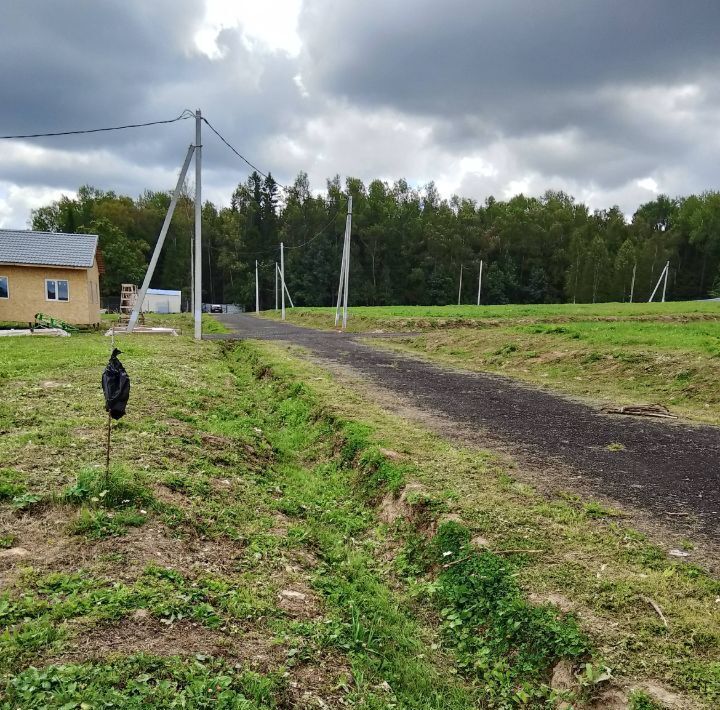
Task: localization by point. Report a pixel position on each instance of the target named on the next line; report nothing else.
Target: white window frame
(57, 291)
(7, 287)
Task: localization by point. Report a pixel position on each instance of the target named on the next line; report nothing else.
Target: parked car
(216, 308)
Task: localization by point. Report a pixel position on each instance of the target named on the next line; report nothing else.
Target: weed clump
(118, 488)
(498, 636)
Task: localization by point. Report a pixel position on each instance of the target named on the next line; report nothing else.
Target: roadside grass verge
(574, 555)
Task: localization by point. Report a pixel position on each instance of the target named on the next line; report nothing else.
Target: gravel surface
(665, 468)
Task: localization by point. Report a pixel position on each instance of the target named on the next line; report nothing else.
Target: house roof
(23, 246)
(162, 292)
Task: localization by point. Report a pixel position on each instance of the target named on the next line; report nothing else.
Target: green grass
(239, 482)
(407, 318)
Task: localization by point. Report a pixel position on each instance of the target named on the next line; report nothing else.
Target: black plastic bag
(116, 386)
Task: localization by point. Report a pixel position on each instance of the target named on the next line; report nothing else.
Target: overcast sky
(613, 101)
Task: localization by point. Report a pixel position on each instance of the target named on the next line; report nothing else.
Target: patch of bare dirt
(319, 684)
(666, 698)
(48, 547)
(299, 601)
(167, 495)
(42, 537)
(404, 506)
(144, 634)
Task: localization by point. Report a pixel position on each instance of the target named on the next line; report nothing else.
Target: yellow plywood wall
(27, 297)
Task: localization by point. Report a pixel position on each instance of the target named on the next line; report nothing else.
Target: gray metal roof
(162, 292)
(22, 246)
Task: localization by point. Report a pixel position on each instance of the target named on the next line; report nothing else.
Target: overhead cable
(183, 116)
(237, 152)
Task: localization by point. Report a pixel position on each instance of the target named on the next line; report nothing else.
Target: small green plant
(596, 510)
(144, 681)
(97, 523)
(615, 446)
(118, 488)
(640, 700)
(25, 501)
(508, 643)
(7, 541)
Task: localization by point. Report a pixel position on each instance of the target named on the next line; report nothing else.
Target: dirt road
(669, 470)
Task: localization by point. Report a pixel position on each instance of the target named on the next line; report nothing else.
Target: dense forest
(408, 245)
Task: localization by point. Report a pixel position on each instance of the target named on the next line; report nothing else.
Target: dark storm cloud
(600, 91)
(87, 63)
(481, 58)
(587, 95)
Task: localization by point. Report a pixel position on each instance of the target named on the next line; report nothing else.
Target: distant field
(667, 353)
(407, 318)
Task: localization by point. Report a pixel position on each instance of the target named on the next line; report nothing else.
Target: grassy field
(414, 318)
(268, 539)
(615, 353)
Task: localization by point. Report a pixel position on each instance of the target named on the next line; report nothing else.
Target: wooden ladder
(128, 299)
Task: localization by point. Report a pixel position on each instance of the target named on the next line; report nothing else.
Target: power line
(183, 116)
(318, 235)
(237, 152)
(186, 114)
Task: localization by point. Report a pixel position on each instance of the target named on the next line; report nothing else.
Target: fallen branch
(655, 606)
(642, 410)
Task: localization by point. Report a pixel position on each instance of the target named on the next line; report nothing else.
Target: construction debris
(642, 410)
(142, 330)
(52, 332)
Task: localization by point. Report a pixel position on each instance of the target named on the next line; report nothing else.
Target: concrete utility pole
(257, 289)
(348, 229)
(159, 244)
(198, 225)
(282, 277)
(632, 283)
(480, 282)
(276, 282)
(344, 270)
(192, 274)
(460, 289)
(663, 275)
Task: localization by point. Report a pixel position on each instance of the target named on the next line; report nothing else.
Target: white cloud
(269, 25)
(649, 184)
(16, 203)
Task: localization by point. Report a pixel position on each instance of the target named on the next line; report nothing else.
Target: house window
(4, 290)
(57, 290)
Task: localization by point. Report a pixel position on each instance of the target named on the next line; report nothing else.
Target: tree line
(408, 244)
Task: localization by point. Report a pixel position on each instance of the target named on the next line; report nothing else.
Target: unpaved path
(667, 469)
